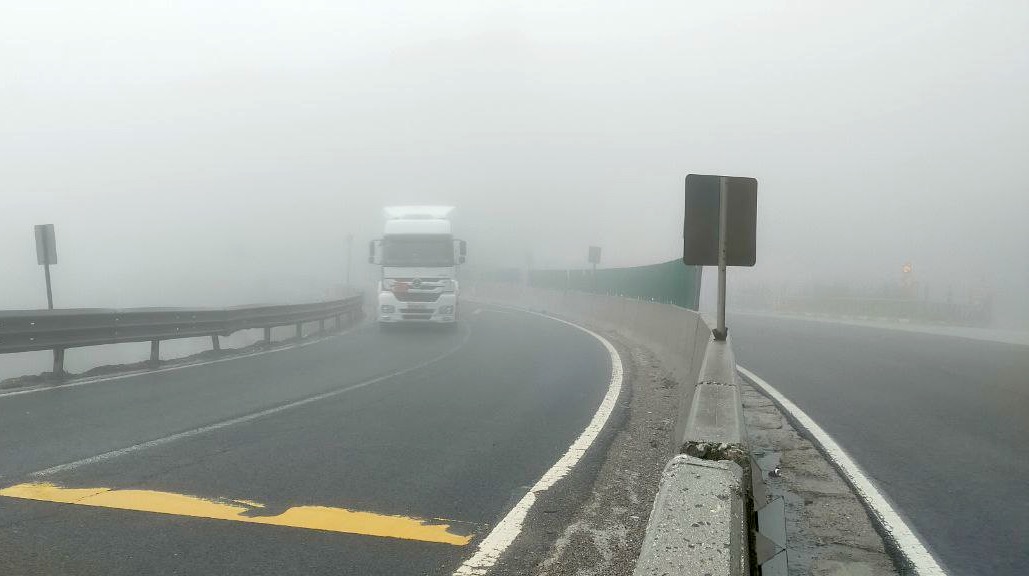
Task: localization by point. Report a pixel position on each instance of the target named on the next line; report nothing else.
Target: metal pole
(721, 332)
(58, 352)
(49, 293)
(46, 271)
(594, 277)
(215, 344)
(155, 351)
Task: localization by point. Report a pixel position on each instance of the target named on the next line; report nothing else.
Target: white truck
(419, 256)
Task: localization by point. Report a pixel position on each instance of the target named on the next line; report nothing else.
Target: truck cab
(418, 258)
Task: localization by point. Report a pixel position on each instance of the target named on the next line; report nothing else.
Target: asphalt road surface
(940, 423)
(409, 444)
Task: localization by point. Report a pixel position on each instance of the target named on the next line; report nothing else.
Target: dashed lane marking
(246, 418)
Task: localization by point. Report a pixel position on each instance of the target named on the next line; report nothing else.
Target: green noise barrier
(669, 282)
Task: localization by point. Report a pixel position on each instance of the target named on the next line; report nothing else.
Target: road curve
(367, 453)
(939, 422)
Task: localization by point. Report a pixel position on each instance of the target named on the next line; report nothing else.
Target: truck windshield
(418, 250)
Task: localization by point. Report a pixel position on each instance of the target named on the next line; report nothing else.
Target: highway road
(365, 453)
(941, 423)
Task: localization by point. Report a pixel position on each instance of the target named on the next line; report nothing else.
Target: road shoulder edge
(908, 550)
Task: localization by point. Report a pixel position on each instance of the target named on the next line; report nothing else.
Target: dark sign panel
(702, 222)
(594, 257)
(46, 244)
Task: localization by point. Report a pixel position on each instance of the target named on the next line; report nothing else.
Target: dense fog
(221, 153)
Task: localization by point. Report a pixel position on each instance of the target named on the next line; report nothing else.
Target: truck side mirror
(463, 251)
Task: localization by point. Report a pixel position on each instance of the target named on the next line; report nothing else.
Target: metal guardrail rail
(57, 330)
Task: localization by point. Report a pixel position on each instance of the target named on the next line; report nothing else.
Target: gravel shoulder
(828, 531)
(593, 523)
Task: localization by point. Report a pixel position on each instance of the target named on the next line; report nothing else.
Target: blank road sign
(594, 255)
(702, 221)
(46, 244)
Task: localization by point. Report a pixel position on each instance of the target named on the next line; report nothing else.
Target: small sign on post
(46, 244)
(720, 228)
(46, 254)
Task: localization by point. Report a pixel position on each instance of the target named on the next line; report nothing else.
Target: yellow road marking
(310, 517)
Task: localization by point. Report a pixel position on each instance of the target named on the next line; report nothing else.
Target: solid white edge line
(505, 532)
(98, 379)
(242, 419)
(904, 539)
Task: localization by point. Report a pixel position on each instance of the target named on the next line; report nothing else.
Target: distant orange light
(907, 268)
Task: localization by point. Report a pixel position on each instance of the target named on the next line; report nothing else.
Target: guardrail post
(155, 351)
(267, 334)
(300, 330)
(58, 362)
(215, 343)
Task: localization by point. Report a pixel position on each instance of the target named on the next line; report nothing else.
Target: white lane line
(134, 373)
(242, 419)
(904, 539)
(504, 533)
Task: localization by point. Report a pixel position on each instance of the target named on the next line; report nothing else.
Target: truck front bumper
(393, 311)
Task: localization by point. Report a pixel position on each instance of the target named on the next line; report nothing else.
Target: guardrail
(58, 330)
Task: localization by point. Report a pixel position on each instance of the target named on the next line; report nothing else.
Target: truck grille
(409, 296)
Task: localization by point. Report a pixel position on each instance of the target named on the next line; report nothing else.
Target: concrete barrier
(677, 336)
(699, 522)
(714, 428)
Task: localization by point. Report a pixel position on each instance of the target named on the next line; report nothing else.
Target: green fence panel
(669, 282)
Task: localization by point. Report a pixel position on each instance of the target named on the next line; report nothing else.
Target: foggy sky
(219, 153)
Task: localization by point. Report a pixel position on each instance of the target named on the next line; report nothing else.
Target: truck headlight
(387, 308)
(446, 310)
